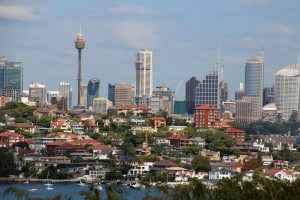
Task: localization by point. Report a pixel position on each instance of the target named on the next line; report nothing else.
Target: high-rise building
(179, 107)
(268, 93)
(11, 79)
(190, 94)
(37, 93)
(254, 83)
(123, 94)
(83, 95)
(240, 92)
(211, 90)
(93, 91)
(286, 90)
(79, 44)
(65, 90)
(144, 75)
(164, 98)
(243, 111)
(100, 105)
(111, 93)
(50, 95)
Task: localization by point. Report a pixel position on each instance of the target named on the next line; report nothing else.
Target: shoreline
(36, 180)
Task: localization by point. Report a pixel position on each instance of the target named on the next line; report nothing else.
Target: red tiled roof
(58, 123)
(65, 135)
(84, 141)
(22, 125)
(56, 143)
(134, 107)
(11, 134)
(101, 146)
(92, 124)
(275, 171)
(235, 165)
(66, 146)
(177, 137)
(207, 107)
(234, 130)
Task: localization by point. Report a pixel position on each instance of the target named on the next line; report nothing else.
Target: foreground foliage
(226, 189)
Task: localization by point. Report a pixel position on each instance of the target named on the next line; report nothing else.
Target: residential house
(267, 160)
(236, 166)
(221, 174)
(157, 122)
(137, 169)
(92, 127)
(281, 164)
(7, 139)
(25, 127)
(236, 134)
(102, 151)
(212, 155)
(179, 141)
(136, 109)
(45, 162)
(282, 174)
(62, 125)
(162, 141)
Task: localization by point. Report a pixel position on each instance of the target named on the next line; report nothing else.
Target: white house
(282, 174)
(140, 168)
(220, 174)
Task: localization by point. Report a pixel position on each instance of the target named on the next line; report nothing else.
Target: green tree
(201, 163)
(22, 145)
(7, 165)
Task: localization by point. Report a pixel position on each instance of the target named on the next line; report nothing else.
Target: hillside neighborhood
(133, 145)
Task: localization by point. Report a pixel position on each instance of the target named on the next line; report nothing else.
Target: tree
(201, 163)
(7, 165)
(22, 145)
(252, 164)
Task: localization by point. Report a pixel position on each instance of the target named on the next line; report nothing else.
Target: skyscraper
(37, 93)
(123, 94)
(83, 95)
(144, 75)
(93, 91)
(79, 44)
(11, 79)
(254, 83)
(286, 90)
(211, 90)
(65, 90)
(111, 93)
(190, 94)
(100, 105)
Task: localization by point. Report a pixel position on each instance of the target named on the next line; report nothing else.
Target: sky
(184, 36)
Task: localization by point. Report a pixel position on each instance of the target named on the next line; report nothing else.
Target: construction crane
(178, 87)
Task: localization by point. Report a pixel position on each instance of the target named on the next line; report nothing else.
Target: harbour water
(71, 189)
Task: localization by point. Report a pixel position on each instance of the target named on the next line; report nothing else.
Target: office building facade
(100, 105)
(254, 83)
(65, 90)
(37, 93)
(111, 93)
(190, 94)
(144, 75)
(11, 79)
(123, 94)
(286, 90)
(92, 91)
(211, 90)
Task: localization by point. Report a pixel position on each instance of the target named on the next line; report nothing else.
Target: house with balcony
(221, 174)
(281, 174)
(7, 139)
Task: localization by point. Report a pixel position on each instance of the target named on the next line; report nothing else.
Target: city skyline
(184, 39)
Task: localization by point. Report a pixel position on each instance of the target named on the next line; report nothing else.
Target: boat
(48, 182)
(81, 183)
(99, 187)
(49, 187)
(26, 182)
(32, 190)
